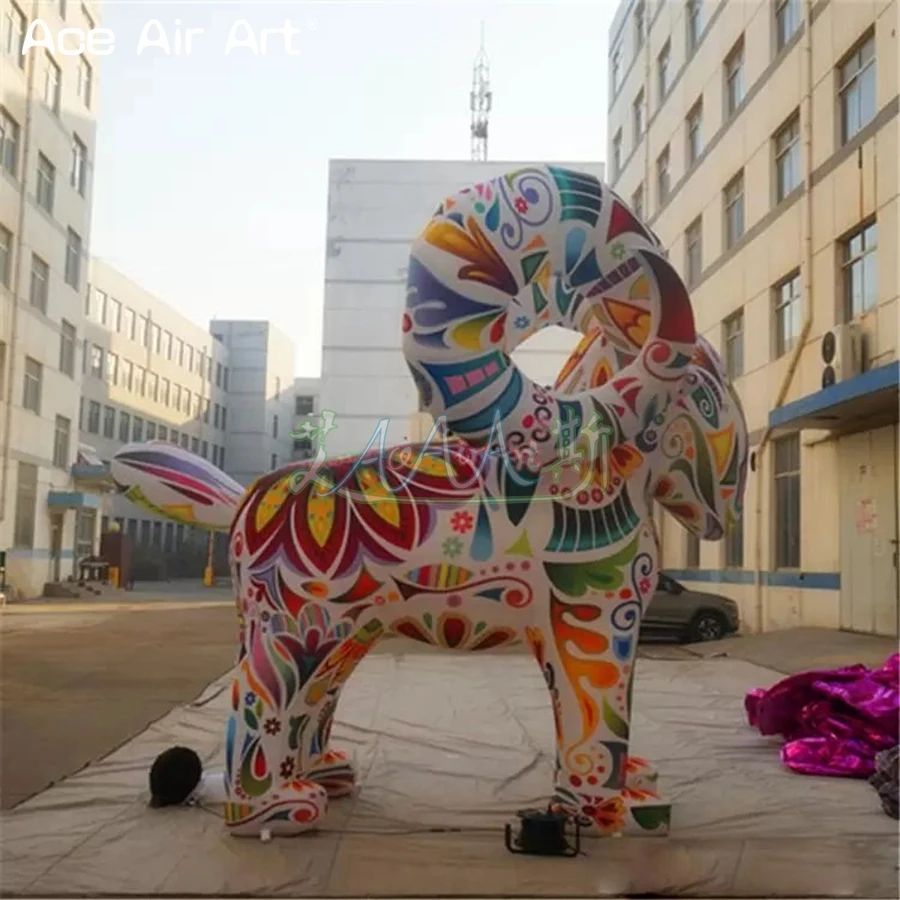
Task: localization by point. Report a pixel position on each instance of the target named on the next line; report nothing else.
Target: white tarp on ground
(445, 742)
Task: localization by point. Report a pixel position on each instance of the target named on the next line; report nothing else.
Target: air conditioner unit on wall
(842, 353)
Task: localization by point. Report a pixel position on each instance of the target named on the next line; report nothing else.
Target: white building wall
(26, 330)
(261, 389)
(375, 210)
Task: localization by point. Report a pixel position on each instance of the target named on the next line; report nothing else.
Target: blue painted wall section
(817, 581)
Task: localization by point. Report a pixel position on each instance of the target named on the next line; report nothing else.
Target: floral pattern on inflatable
(530, 522)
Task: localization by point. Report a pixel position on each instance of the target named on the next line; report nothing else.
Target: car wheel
(707, 626)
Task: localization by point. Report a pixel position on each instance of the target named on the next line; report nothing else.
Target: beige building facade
(48, 104)
(759, 140)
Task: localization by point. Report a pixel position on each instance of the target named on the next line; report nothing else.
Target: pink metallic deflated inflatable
(530, 523)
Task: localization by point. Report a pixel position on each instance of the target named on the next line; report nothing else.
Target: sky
(211, 173)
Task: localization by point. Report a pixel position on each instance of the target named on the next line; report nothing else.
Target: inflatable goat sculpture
(517, 529)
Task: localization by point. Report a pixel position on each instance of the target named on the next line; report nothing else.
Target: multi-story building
(260, 396)
(47, 128)
(376, 208)
(759, 140)
(148, 373)
(307, 409)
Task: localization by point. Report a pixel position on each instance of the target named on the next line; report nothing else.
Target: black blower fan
(543, 833)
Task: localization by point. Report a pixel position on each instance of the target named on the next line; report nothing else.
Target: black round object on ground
(174, 775)
(707, 626)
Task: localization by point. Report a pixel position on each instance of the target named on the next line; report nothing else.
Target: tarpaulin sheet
(448, 749)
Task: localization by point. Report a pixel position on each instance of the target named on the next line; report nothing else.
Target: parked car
(688, 614)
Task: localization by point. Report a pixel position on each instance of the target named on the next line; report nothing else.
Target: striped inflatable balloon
(172, 482)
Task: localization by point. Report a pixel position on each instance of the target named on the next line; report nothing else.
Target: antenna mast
(480, 102)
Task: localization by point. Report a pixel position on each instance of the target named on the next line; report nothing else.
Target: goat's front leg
(587, 656)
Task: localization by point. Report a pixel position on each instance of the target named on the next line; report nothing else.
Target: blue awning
(870, 397)
(72, 500)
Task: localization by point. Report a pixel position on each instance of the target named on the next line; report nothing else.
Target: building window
(857, 89)
(62, 9)
(5, 256)
(616, 74)
(617, 154)
(46, 182)
(786, 453)
(734, 345)
(26, 504)
(153, 386)
(204, 449)
(112, 367)
(734, 78)
(218, 374)
(67, 348)
(93, 423)
(787, 21)
(195, 445)
(100, 305)
(124, 427)
(9, 142)
(145, 532)
(155, 338)
(31, 389)
(61, 442)
(73, 259)
(141, 331)
(274, 426)
(127, 370)
(304, 405)
(693, 243)
(189, 358)
(274, 462)
(695, 132)
(162, 433)
(179, 352)
(151, 431)
(173, 437)
(140, 373)
(51, 83)
(115, 314)
(96, 365)
(221, 457)
(186, 402)
(303, 448)
(206, 411)
(733, 198)
(638, 116)
(209, 369)
(128, 322)
(85, 85)
(640, 14)
(694, 24)
(109, 422)
(14, 33)
(224, 418)
(164, 392)
(176, 396)
(637, 201)
(78, 165)
(663, 182)
(225, 378)
(167, 344)
(860, 270)
(734, 544)
(137, 429)
(692, 551)
(787, 157)
(787, 314)
(185, 439)
(39, 287)
(664, 70)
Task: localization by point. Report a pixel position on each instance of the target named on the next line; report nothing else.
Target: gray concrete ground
(78, 679)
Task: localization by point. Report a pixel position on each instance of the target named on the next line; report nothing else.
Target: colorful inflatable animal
(531, 523)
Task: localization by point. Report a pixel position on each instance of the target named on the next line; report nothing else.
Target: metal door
(867, 477)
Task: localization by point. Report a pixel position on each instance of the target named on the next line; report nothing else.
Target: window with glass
(9, 142)
(786, 475)
(93, 419)
(857, 89)
(787, 314)
(45, 187)
(112, 368)
(96, 365)
(664, 70)
(637, 201)
(787, 21)
(733, 199)
(78, 165)
(26, 505)
(663, 180)
(124, 427)
(14, 29)
(734, 78)
(67, 343)
(694, 24)
(128, 322)
(39, 287)
(695, 132)
(638, 116)
(787, 157)
(860, 270)
(73, 258)
(109, 422)
(617, 154)
(50, 85)
(693, 242)
(734, 345)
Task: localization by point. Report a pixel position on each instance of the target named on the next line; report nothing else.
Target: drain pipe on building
(806, 295)
(10, 362)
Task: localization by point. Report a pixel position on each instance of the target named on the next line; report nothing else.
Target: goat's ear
(172, 482)
(702, 461)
